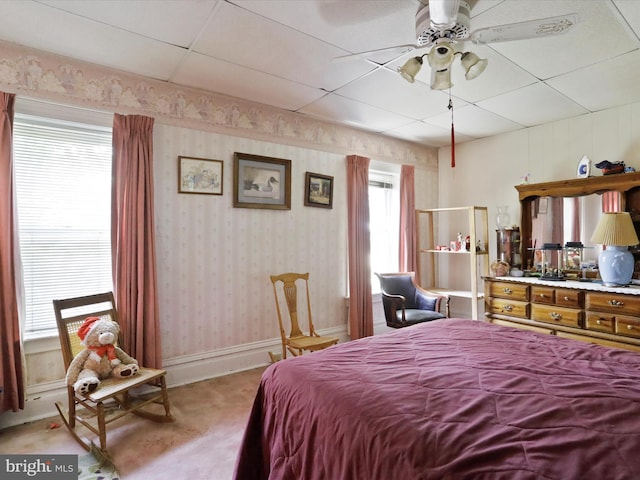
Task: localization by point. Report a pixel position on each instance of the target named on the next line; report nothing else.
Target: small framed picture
(199, 175)
(318, 190)
(543, 205)
(261, 182)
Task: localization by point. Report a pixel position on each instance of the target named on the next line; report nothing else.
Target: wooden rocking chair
(135, 394)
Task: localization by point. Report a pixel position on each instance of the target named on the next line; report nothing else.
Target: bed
(448, 399)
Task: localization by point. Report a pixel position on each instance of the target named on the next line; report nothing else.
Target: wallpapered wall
(214, 260)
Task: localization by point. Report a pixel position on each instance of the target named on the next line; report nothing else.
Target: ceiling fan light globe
(410, 69)
(473, 65)
(477, 69)
(441, 56)
(441, 79)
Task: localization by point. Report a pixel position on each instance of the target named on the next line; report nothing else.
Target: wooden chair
(296, 342)
(405, 303)
(136, 394)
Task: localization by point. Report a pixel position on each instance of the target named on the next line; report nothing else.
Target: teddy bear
(100, 358)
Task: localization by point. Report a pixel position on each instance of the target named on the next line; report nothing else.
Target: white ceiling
(282, 53)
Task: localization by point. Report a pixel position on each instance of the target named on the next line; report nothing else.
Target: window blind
(63, 190)
(384, 211)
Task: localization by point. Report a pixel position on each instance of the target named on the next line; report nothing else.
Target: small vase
(502, 217)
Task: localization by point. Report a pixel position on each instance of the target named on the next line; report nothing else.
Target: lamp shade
(410, 69)
(616, 263)
(473, 65)
(441, 56)
(441, 79)
(615, 228)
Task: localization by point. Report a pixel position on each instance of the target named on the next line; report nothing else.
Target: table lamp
(615, 230)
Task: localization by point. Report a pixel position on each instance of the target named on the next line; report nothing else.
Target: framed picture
(318, 190)
(199, 175)
(261, 182)
(543, 205)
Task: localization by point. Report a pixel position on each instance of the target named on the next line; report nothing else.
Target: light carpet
(201, 444)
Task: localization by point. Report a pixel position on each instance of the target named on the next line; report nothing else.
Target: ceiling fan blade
(444, 13)
(542, 27)
(350, 56)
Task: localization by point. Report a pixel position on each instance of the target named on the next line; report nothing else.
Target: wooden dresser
(583, 311)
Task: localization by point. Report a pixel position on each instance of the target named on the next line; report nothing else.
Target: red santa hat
(86, 327)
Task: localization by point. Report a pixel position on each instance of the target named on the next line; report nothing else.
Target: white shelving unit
(426, 224)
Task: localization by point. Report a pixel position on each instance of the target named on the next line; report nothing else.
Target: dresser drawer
(556, 315)
(612, 303)
(522, 326)
(629, 326)
(512, 308)
(599, 341)
(570, 298)
(515, 291)
(600, 322)
(544, 295)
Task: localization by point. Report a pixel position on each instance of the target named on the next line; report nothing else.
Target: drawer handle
(629, 327)
(616, 303)
(566, 299)
(556, 316)
(507, 290)
(507, 308)
(598, 322)
(541, 295)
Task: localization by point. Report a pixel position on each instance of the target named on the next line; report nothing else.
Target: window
(384, 220)
(63, 189)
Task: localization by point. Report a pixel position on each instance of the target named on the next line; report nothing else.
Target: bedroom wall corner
(488, 169)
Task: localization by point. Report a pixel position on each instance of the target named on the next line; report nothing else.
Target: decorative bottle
(502, 217)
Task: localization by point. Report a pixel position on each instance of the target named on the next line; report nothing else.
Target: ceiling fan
(440, 24)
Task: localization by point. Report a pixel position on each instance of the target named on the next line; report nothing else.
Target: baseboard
(41, 398)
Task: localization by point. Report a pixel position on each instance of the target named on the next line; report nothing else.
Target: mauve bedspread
(450, 399)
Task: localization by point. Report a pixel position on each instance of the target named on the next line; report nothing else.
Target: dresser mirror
(569, 210)
(558, 220)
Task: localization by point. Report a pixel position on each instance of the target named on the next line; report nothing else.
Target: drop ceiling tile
(355, 26)
(474, 122)
(334, 107)
(631, 11)
(482, 6)
(218, 76)
(242, 37)
(532, 105)
(52, 30)
(425, 134)
(387, 90)
(172, 21)
(605, 85)
(599, 35)
(499, 77)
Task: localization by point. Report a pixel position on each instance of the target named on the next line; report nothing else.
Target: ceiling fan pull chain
(453, 135)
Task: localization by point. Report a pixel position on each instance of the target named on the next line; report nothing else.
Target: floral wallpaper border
(54, 77)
